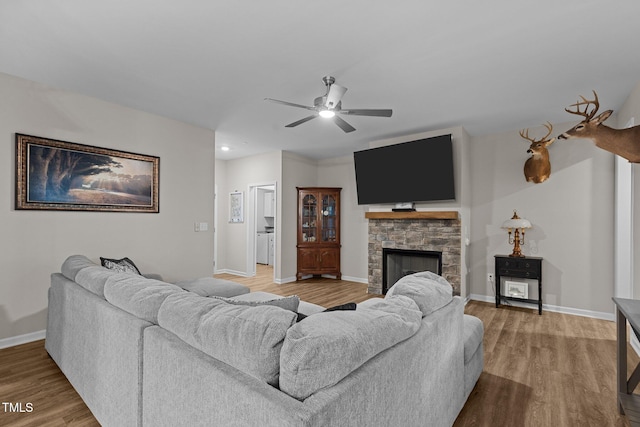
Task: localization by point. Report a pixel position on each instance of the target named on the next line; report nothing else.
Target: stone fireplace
(430, 232)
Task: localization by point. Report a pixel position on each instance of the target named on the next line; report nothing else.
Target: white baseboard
(355, 279)
(22, 339)
(234, 272)
(554, 308)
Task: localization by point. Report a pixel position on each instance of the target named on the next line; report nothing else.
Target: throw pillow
(124, 265)
(290, 303)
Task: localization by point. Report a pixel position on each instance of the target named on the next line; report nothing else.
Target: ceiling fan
(329, 104)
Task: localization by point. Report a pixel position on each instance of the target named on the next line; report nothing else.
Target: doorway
(262, 229)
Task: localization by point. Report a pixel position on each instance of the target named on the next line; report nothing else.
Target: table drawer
(518, 273)
(518, 264)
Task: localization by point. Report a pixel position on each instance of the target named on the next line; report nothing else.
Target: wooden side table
(520, 267)
(628, 403)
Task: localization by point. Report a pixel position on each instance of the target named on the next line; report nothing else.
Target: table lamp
(517, 225)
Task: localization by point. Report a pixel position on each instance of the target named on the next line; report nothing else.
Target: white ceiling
(490, 66)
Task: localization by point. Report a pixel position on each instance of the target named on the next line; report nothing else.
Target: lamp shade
(516, 222)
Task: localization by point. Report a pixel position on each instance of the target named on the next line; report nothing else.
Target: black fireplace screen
(397, 263)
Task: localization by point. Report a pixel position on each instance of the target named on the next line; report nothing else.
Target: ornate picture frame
(60, 175)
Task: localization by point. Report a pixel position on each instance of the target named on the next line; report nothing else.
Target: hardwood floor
(549, 370)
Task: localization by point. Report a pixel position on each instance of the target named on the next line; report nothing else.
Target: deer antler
(525, 133)
(587, 115)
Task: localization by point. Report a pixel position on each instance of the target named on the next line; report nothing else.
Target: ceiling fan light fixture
(327, 114)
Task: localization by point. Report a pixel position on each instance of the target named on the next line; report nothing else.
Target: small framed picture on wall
(236, 206)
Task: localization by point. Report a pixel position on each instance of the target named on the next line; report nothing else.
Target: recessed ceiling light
(224, 148)
(327, 114)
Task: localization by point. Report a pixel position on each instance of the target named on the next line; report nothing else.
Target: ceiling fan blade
(365, 112)
(290, 104)
(301, 121)
(334, 96)
(343, 125)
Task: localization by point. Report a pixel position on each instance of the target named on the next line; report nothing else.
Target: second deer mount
(537, 168)
(623, 142)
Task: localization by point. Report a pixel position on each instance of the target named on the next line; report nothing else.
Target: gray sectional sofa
(142, 352)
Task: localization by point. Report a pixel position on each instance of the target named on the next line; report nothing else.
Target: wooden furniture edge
(413, 215)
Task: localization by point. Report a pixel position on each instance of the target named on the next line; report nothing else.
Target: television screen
(415, 171)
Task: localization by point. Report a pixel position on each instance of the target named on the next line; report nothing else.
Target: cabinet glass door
(309, 218)
(328, 218)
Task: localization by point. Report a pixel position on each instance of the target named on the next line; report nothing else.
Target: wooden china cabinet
(318, 231)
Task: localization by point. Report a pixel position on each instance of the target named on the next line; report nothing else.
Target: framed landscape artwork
(58, 175)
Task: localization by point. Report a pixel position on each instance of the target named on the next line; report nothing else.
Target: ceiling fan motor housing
(331, 103)
(321, 101)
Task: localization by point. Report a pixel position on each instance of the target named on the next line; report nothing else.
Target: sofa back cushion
(430, 291)
(73, 264)
(138, 295)
(322, 349)
(247, 338)
(94, 278)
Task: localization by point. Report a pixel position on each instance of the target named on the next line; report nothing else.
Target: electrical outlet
(490, 277)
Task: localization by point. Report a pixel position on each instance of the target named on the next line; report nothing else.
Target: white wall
(35, 243)
(222, 208)
(571, 213)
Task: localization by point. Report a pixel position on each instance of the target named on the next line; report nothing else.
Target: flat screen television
(415, 171)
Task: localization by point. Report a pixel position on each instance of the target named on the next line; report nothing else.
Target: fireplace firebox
(397, 263)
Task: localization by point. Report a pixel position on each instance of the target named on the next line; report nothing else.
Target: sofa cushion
(326, 347)
(210, 286)
(137, 295)
(247, 338)
(304, 307)
(124, 265)
(290, 303)
(429, 290)
(473, 330)
(94, 278)
(73, 264)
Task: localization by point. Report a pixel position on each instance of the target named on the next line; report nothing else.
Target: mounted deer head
(537, 168)
(623, 142)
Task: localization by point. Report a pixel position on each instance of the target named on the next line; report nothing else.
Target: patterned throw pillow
(124, 265)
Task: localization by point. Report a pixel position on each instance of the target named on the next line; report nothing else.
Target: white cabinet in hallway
(262, 248)
(272, 248)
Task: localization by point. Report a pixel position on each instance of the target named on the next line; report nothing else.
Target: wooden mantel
(413, 215)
